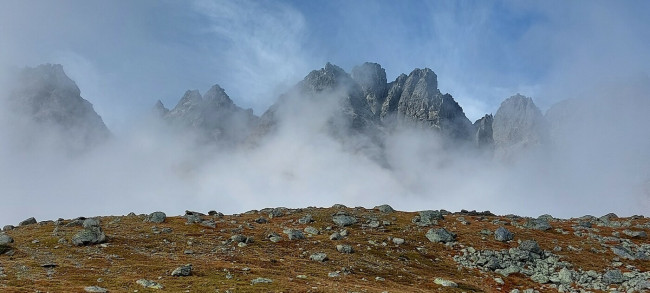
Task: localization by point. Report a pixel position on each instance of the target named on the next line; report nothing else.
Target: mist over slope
(335, 137)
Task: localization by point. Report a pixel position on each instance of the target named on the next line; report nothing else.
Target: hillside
(366, 250)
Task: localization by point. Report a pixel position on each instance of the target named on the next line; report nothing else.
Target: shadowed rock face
(483, 137)
(415, 99)
(372, 79)
(50, 98)
(518, 125)
(213, 115)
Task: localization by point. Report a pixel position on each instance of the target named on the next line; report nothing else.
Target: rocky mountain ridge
(361, 107)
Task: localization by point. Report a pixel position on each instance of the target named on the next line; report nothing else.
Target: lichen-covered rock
(182, 271)
(502, 234)
(440, 235)
(157, 217)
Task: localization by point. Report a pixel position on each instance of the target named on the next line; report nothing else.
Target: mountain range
(362, 107)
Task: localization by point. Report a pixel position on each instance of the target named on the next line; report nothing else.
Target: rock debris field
(336, 249)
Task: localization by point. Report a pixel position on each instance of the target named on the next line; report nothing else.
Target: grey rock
(613, 277)
(502, 234)
(385, 209)
(312, 230)
(91, 234)
(276, 213)
(344, 248)
(635, 234)
(445, 283)
(5, 239)
(306, 219)
(344, 220)
(440, 235)
(261, 220)
(565, 276)
(294, 234)
(539, 278)
(319, 256)
(157, 217)
(261, 281)
(8, 228)
(530, 246)
(336, 236)
(28, 221)
(509, 270)
(182, 271)
(90, 223)
(95, 289)
(538, 224)
(398, 241)
(427, 218)
(149, 284)
(622, 252)
(238, 238)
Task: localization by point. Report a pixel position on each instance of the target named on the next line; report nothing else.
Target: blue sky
(125, 55)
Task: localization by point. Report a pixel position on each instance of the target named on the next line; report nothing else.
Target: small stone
(28, 221)
(445, 283)
(334, 274)
(379, 279)
(157, 217)
(149, 284)
(499, 281)
(398, 241)
(343, 248)
(182, 271)
(95, 289)
(261, 220)
(565, 276)
(301, 277)
(335, 236)
(319, 256)
(374, 224)
(261, 281)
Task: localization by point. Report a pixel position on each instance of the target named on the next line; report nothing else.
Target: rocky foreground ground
(335, 249)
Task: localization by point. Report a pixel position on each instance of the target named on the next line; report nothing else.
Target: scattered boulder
(344, 248)
(306, 219)
(319, 256)
(261, 220)
(91, 234)
(344, 220)
(398, 241)
(502, 234)
(8, 228)
(5, 239)
(238, 238)
(149, 284)
(613, 277)
(445, 283)
(156, 217)
(261, 281)
(28, 221)
(294, 234)
(311, 230)
(530, 246)
(538, 224)
(182, 271)
(635, 234)
(336, 236)
(440, 235)
(427, 218)
(385, 209)
(274, 237)
(193, 217)
(95, 289)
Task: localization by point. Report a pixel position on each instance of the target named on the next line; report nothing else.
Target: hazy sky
(124, 55)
